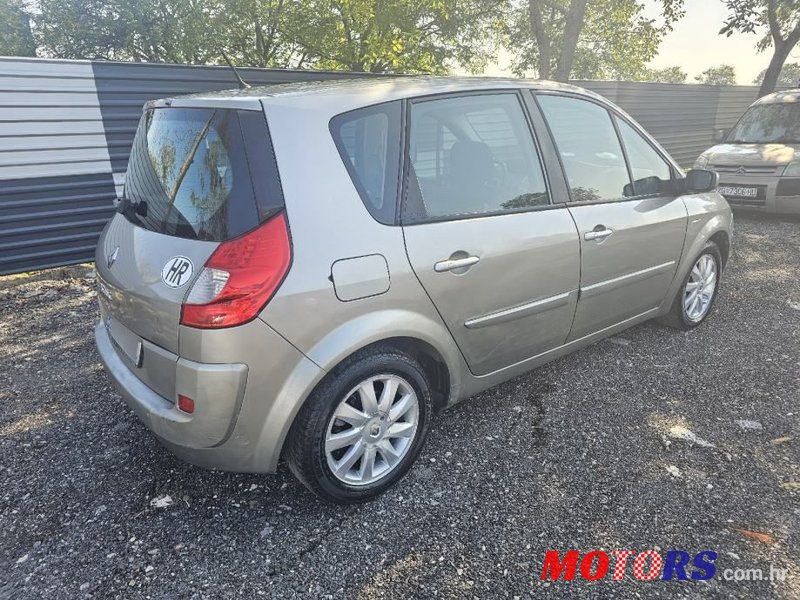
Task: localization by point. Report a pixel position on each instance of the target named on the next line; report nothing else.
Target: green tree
(782, 20)
(379, 36)
(559, 39)
(141, 30)
(429, 36)
(78, 29)
(721, 75)
(789, 76)
(262, 33)
(16, 38)
(666, 75)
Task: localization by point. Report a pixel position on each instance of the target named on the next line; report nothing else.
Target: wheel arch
(715, 229)
(425, 340)
(723, 242)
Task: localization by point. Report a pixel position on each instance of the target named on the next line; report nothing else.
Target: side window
(368, 140)
(589, 147)
(471, 155)
(650, 171)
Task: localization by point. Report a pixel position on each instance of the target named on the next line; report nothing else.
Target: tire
(679, 316)
(316, 426)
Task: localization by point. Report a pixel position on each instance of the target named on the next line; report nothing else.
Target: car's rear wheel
(362, 427)
(698, 291)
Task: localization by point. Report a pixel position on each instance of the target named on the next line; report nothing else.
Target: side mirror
(720, 135)
(701, 180)
(646, 186)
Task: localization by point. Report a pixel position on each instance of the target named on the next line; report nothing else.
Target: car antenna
(243, 85)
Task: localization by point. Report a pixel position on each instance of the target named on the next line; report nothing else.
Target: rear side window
(368, 140)
(589, 148)
(470, 156)
(191, 173)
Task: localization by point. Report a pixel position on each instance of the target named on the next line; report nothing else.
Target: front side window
(471, 156)
(368, 140)
(651, 173)
(589, 148)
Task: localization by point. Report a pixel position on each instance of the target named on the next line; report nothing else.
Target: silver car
(758, 161)
(309, 271)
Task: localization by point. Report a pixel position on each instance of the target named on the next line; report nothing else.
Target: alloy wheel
(700, 288)
(372, 430)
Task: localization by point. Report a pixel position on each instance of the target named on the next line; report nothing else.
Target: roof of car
(784, 96)
(365, 90)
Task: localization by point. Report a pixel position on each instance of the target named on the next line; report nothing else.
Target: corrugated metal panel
(56, 187)
(733, 101)
(34, 96)
(52, 221)
(607, 89)
(681, 117)
(66, 128)
(123, 88)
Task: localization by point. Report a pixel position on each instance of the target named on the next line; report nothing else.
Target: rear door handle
(453, 264)
(597, 234)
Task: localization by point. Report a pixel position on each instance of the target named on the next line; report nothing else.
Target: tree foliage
(789, 76)
(16, 38)
(427, 36)
(262, 33)
(614, 38)
(782, 21)
(553, 38)
(398, 35)
(142, 30)
(666, 75)
(721, 75)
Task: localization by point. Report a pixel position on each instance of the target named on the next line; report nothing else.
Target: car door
(498, 258)
(631, 224)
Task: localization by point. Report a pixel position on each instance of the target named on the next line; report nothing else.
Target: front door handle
(455, 264)
(598, 234)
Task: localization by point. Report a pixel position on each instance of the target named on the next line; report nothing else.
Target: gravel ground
(579, 454)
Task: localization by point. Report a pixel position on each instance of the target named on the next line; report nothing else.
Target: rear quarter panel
(329, 223)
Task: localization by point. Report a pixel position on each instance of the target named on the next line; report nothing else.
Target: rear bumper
(242, 414)
(217, 390)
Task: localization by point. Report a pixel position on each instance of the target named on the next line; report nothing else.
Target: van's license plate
(738, 191)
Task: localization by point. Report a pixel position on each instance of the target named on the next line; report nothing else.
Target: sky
(695, 44)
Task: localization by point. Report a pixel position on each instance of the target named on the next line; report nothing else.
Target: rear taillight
(240, 278)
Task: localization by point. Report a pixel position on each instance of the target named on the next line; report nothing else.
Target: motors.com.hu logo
(645, 566)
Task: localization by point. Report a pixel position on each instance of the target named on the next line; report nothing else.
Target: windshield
(768, 124)
(191, 173)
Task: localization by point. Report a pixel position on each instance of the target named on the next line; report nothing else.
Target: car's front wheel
(362, 427)
(698, 291)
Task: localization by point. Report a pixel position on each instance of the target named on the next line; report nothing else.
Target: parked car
(758, 161)
(310, 270)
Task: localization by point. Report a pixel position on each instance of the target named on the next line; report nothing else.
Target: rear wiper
(128, 207)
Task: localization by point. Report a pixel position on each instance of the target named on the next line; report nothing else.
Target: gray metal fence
(66, 129)
(682, 117)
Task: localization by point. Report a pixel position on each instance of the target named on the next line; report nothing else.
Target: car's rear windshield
(768, 124)
(201, 173)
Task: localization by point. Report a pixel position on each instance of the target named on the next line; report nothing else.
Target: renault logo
(112, 258)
